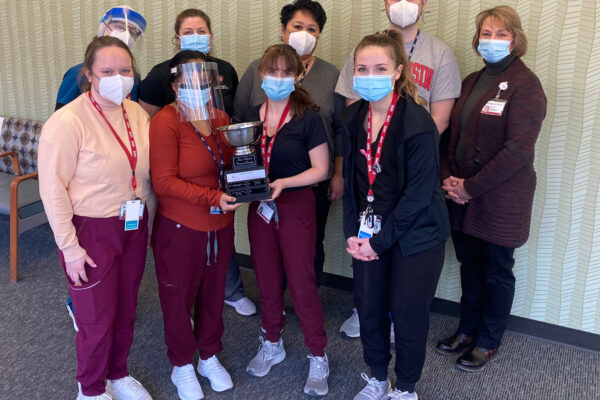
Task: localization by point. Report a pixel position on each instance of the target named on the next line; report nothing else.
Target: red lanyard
(132, 157)
(373, 166)
(264, 151)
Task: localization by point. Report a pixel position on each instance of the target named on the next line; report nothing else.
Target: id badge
(376, 224)
(215, 210)
(132, 214)
(494, 107)
(367, 226)
(124, 206)
(266, 210)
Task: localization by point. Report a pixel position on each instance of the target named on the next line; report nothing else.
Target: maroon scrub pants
(105, 306)
(185, 280)
(289, 246)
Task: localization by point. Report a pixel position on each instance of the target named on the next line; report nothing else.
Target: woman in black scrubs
(395, 219)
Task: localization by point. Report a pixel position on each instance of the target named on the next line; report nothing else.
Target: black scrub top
(289, 156)
(385, 187)
(156, 88)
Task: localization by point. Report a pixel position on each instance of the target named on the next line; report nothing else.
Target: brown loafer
(476, 359)
(454, 344)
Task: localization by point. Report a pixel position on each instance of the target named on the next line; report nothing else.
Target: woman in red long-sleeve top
(193, 231)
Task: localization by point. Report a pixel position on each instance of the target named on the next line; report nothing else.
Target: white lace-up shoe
(219, 378)
(350, 329)
(81, 396)
(103, 396)
(127, 388)
(374, 390)
(399, 395)
(188, 387)
(243, 306)
(316, 383)
(268, 355)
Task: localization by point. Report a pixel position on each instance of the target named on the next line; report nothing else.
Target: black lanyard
(304, 74)
(412, 49)
(221, 170)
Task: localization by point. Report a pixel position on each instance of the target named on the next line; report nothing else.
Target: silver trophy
(247, 180)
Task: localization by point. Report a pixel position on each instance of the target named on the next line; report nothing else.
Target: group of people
(126, 164)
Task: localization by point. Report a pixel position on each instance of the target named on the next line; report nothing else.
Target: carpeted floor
(37, 357)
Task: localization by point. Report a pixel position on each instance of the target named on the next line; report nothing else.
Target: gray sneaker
(316, 383)
(268, 355)
(374, 390)
(397, 394)
(350, 329)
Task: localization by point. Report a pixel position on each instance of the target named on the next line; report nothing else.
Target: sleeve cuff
(73, 252)
(376, 246)
(215, 198)
(472, 188)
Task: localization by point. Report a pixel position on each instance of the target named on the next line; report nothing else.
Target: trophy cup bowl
(242, 137)
(247, 180)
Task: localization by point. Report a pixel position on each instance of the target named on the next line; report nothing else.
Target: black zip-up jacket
(419, 221)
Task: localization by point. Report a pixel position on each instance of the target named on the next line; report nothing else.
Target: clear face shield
(198, 91)
(124, 24)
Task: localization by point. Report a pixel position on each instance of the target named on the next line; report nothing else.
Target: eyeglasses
(122, 27)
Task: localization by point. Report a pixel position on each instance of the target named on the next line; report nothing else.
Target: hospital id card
(494, 107)
(133, 213)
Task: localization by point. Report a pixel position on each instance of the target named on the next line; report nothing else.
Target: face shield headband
(124, 19)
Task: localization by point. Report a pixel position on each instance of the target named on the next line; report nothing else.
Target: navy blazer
(420, 219)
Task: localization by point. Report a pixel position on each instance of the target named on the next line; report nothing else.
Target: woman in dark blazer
(487, 172)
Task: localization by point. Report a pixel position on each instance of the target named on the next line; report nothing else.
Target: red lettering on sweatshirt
(422, 75)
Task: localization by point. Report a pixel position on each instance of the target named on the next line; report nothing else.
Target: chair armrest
(14, 189)
(15, 160)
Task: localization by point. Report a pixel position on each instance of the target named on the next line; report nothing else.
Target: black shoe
(476, 359)
(454, 344)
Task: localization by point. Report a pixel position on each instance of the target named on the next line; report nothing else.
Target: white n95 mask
(303, 42)
(124, 36)
(115, 88)
(404, 13)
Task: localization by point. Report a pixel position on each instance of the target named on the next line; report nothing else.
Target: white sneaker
(399, 395)
(103, 396)
(188, 387)
(351, 327)
(219, 378)
(127, 388)
(316, 383)
(268, 355)
(81, 396)
(243, 306)
(374, 390)
(71, 312)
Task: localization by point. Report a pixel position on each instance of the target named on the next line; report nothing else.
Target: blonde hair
(508, 17)
(392, 40)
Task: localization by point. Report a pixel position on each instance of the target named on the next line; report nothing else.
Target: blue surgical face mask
(373, 87)
(493, 50)
(196, 42)
(195, 100)
(278, 89)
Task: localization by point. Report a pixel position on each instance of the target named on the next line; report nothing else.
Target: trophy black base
(247, 184)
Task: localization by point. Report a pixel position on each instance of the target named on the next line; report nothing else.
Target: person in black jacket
(395, 218)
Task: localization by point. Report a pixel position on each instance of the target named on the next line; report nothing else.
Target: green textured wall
(558, 270)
